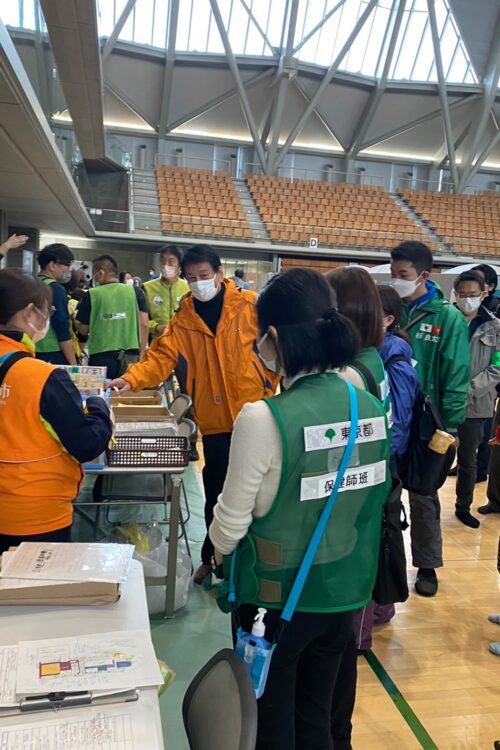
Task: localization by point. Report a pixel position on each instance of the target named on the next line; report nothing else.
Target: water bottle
(153, 533)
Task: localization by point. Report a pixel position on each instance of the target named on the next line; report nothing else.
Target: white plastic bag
(155, 564)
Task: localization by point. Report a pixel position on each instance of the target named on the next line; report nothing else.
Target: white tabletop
(129, 613)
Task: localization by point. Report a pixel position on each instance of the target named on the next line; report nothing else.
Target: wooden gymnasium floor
(436, 650)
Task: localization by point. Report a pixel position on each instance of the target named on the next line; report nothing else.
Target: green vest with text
(50, 342)
(313, 420)
(114, 319)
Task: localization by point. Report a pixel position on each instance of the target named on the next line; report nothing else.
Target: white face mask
(168, 272)
(130, 282)
(405, 288)
(204, 290)
(469, 305)
(66, 277)
(272, 364)
(39, 333)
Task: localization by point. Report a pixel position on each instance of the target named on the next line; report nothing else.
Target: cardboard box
(140, 413)
(139, 398)
(78, 594)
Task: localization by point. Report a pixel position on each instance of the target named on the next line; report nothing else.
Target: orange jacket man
(213, 338)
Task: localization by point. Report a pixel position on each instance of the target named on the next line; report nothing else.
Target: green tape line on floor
(400, 702)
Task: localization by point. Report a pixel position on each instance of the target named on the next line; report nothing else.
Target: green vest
(313, 420)
(114, 319)
(50, 342)
(372, 360)
(163, 301)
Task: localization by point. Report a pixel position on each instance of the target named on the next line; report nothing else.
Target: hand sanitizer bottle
(255, 652)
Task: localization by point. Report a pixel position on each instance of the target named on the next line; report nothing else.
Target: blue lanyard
(314, 543)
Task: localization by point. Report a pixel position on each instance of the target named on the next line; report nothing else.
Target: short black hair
(489, 274)
(470, 276)
(239, 273)
(200, 254)
(121, 277)
(56, 252)
(417, 253)
(312, 335)
(105, 262)
(171, 250)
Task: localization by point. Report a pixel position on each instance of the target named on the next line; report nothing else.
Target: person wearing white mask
(438, 337)
(44, 432)
(213, 339)
(164, 293)
(55, 270)
(484, 343)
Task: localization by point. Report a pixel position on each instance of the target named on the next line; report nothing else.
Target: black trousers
(55, 358)
(484, 450)
(115, 367)
(216, 451)
(59, 535)
(295, 710)
(493, 488)
(470, 435)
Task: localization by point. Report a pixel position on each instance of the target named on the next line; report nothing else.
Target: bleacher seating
(197, 201)
(337, 214)
(315, 264)
(466, 223)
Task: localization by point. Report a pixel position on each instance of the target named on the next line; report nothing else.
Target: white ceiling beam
(110, 43)
(318, 26)
(482, 157)
(233, 66)
(318, 114)
(445, 111)
(327, 78)
(258, 27)
(373, 103)
(168, 73)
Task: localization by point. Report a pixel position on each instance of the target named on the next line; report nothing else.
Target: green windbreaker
(440, 343)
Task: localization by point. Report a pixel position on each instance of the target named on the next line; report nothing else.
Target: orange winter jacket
(223, 371)
(38, 479)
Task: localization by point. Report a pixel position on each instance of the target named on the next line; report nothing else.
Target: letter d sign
(313, 242)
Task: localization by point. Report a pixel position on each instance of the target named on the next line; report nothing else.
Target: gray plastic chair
(180, 406)
(219, 707)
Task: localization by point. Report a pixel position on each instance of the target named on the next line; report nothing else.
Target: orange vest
(38, 480)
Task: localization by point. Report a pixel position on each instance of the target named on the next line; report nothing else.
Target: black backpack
(421, 469)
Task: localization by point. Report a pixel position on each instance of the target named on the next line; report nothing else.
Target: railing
(171, 160)
(325, 175)
(122, 221)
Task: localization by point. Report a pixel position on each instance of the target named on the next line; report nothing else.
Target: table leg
(173, 530)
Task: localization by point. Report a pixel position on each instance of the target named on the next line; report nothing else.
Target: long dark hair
(17, 290)
(358, 300)
(312, 335)
(392, 305)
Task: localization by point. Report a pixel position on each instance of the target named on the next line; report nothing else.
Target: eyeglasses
(464, 295)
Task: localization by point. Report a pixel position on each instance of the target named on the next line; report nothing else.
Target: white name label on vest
(324, 436)
(355, 478)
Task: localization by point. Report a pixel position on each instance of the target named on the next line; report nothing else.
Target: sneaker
(481, 478)
(426, 583)
(203, 572)
(494, 618)
(488, 508)
(467, 519)
(495, 648)
(193, 454)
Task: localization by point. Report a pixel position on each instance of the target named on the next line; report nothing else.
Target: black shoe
(488, 508)
(453, 472)
(426, 583)
(481, 478)
(193, 454)
(467, 519)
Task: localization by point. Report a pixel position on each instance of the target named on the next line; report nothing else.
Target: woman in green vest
(285, 453)
(359, 301)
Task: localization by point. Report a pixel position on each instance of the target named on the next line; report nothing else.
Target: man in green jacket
(441, 349)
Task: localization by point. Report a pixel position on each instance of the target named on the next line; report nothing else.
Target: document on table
(97, 662)
(8, 674)
(69, 561)
(124, 727)
(23, 583)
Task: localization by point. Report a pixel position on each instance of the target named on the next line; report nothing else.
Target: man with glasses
(484, 343)
(57, 347)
